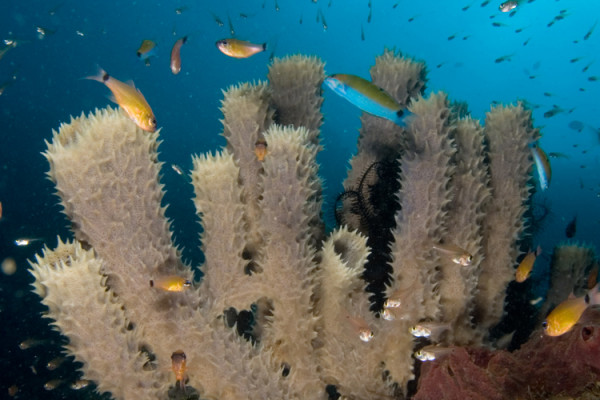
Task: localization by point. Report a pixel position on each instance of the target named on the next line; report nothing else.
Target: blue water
(47, 89)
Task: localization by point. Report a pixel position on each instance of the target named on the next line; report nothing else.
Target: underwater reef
(284, 310)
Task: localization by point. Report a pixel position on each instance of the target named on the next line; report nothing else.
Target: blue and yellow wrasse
(239, 48)
(562, 319)
(367, 96)
(526, 265)
(172, 283)
(542, 164)
(130, 99)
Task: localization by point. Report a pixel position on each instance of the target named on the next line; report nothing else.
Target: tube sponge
(470, 180)
(341, 296)
(380, 139)
(71, 283)
(571, 264)
(509, 131)
(296, 84)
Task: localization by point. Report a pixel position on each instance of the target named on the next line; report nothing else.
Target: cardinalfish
(239, 48)
(260, 149)
(542, 164)
(79, 384)
(29, 343)
(432, 352)
(130, 99)
(178, 365)
(431, 330)
(367, 96)
(26, 241)
(457, 254)
(146, 50)
(564, 317)
(176, 55)
(172, 283)
(55, 363)
(53, 384)
(360, 326)
(526, 265)
(177, 169)
(394, 302)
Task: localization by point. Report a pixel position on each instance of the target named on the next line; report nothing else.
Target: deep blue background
(47, 90)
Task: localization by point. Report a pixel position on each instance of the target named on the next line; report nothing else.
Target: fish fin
(130, 83)
(101, 76)
(112, 98)
(264, 46)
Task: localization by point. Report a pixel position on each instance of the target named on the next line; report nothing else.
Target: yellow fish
(526, 265)
(562, 319)
(172, 283)
(130, 99)
(146, 50)
(239, 48)
(178, 365)
(260, 149)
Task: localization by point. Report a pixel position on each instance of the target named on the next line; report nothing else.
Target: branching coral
(265, 246)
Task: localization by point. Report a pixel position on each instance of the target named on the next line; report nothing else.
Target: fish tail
(101, 76)
(184, 39)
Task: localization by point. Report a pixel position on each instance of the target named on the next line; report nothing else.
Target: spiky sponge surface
(72, 285)
(296, 84)
(509, 131)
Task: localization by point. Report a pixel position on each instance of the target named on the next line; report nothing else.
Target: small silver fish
(79, 384)
(432, 352)
(508, 6)
(177, 169)
(457, 254)
(53, 384)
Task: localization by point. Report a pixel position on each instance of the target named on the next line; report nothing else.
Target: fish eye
(153, 122)
(187, 283)
(545, 324)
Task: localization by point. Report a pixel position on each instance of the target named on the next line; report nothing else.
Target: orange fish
(172, 283)
(178, 361)
(130, 99)
(176, 55)
(239, 48)
(526, 266)
(260, 149)
(562, 319)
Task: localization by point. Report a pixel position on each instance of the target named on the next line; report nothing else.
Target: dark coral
(543, 367)
(374, 202)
